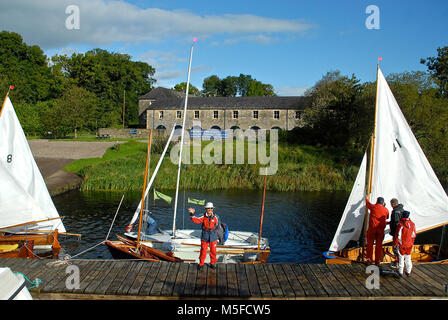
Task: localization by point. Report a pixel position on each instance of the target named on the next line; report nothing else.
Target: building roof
(269, 102)
(162, 93)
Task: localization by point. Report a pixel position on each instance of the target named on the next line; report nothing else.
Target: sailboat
(184, 245)
(398, 168)
(29, 221)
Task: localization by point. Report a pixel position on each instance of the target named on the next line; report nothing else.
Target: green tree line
(64, 94)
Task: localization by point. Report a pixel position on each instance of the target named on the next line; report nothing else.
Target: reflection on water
(299, 225)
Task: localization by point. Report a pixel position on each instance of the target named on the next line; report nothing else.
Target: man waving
(209, 235)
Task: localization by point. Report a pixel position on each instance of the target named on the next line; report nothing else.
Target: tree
(181, 87)
(108, 75)
(339, 113)
(438, 67)
(26, 68)
(243, 85)
(76, 109)
(211, 86)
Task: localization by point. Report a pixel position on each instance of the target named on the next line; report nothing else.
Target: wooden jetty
(139, 280)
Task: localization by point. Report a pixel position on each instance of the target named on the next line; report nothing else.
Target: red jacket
(378, 215)
(405, 236)
(209, 227)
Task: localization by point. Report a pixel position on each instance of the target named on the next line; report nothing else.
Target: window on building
(256, 114)
(298, 114)
(215, 114)
(235, 114)
(179, 115)
(196, 114)
(160, 114)
(276, 114)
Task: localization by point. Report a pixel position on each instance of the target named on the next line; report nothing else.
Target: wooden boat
(28, 217)
(398, 168)
(184, 245)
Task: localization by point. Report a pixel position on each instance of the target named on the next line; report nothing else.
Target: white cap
(209, 205)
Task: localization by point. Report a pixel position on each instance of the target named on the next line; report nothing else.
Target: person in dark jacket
(397, 212)
(209, 236)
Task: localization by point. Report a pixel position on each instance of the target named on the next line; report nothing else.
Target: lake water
(299, 225)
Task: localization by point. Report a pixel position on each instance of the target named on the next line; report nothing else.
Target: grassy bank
(300, 168)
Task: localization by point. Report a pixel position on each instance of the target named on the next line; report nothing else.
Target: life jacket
(210, 223)
(405, 236)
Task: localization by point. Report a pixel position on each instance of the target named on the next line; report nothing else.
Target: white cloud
(103, 22)
(291, 91)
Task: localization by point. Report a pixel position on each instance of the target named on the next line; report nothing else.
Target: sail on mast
(400, 170)
(182, 143)
(21, 179)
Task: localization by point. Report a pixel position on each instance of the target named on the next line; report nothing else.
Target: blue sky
(289, 44)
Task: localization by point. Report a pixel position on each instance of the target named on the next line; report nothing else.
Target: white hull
(239, 247)
(12, 287)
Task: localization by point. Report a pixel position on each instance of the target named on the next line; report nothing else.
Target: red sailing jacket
(378, 215)
(405, 236)
(209, 227)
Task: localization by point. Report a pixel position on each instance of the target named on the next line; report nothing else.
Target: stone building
(163, 108)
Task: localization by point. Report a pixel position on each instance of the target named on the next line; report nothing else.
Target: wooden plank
(13, 263)
(114, 277)
(211, 282)
(315, 283)
(121, 274)
(346, 271)
(334, 281)
(201, 282)
(82, 266)
(254, 287)
(358, 271)
(283, 280)
(139, 280)
(232, 281)
(57, 275)
(274, 281)
(151, 276)
(170, 280)
(294, 281)
(181, 280)
(104, 268)
(416, 285)
(129, 279)
(352, 291)
(262, 280)
(326, 283)
(303, 280)
(87, 278)
(191, 279)
(243, 283)
(431, 284)
(221, 280)
(160, 279)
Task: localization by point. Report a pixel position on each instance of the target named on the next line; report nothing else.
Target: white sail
(400, 168)
(350, 225)
(25, 197)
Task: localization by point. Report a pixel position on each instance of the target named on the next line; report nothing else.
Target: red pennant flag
(11, 87)
(380, 58)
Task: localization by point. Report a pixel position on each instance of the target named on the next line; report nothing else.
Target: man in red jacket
(375, 232)
(209, 236)
(404, 239)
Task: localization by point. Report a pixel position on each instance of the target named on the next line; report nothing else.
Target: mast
(144, 188)
(372, 158)
(262, 208)
(182, 142)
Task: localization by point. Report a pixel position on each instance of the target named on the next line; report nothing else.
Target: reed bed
(300, 168)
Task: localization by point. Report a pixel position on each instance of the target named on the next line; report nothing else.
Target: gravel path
(42, 148)
(52, 156)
